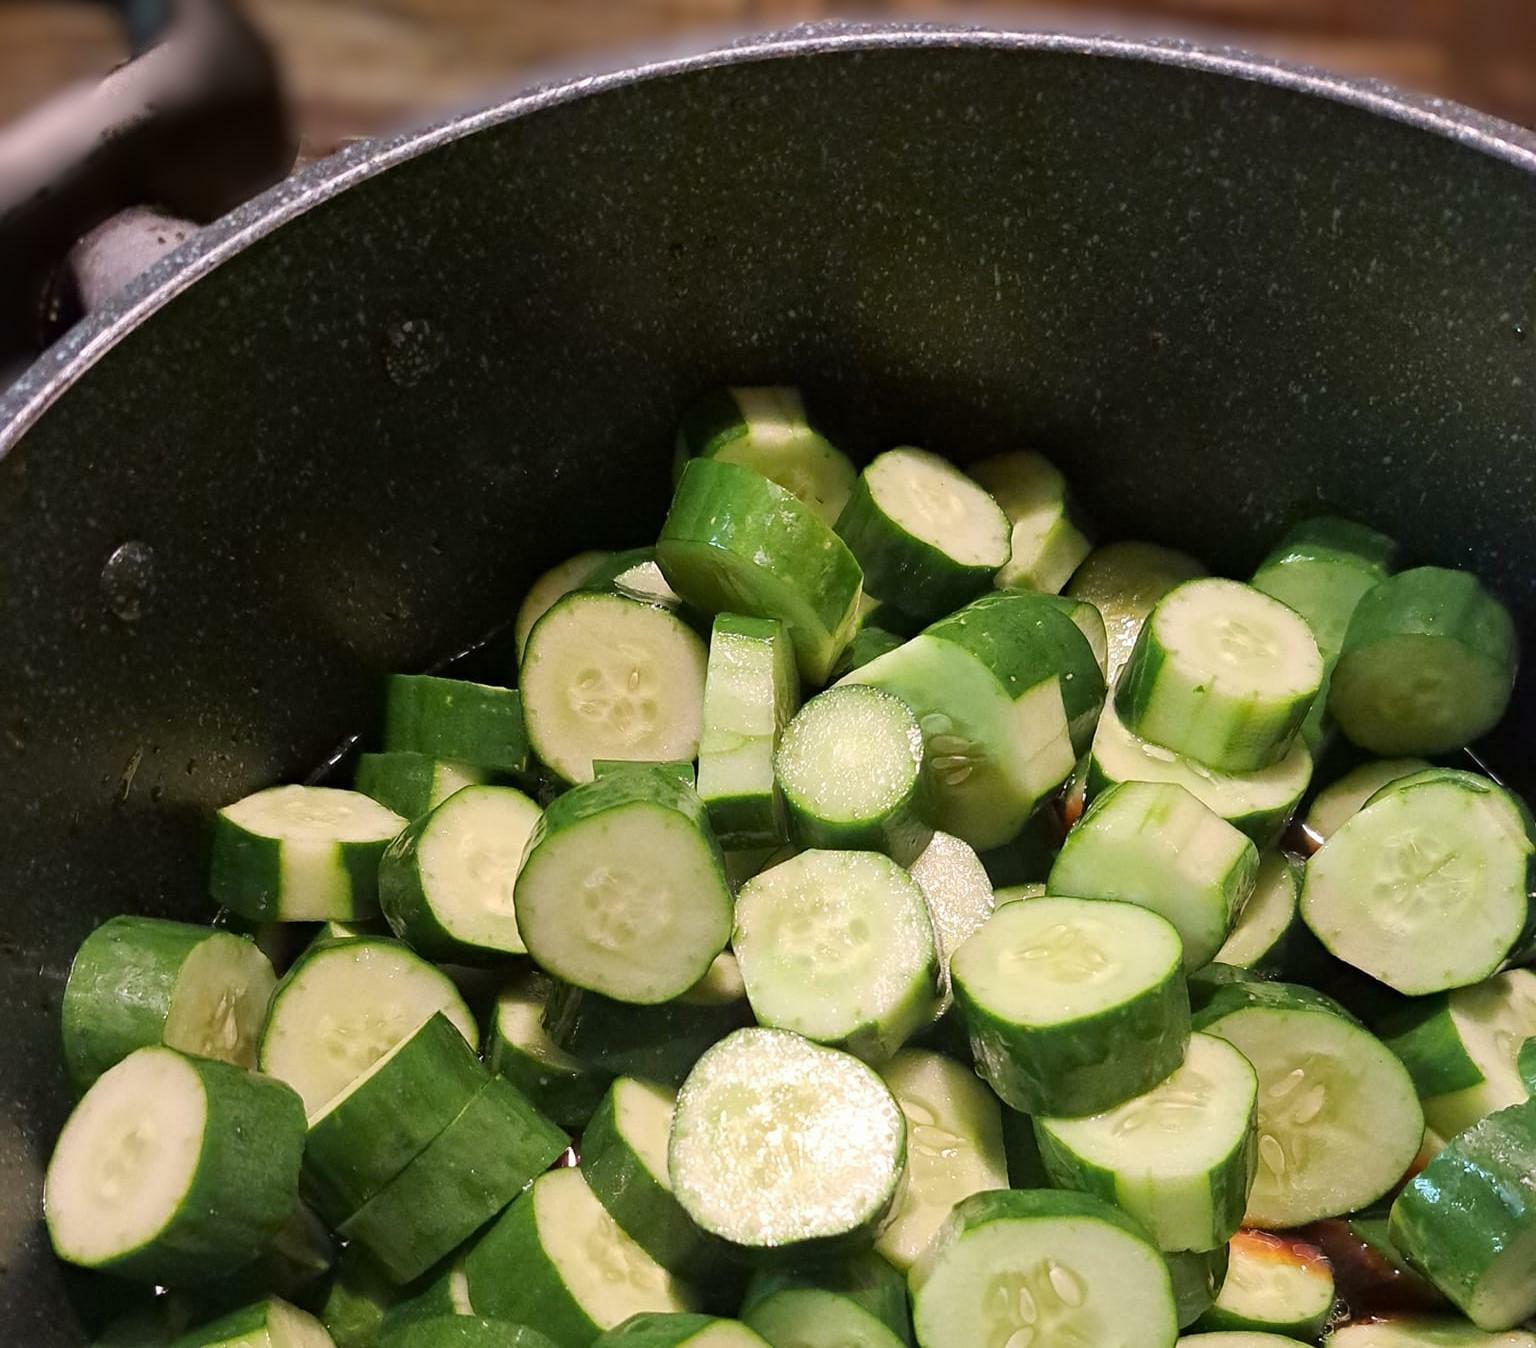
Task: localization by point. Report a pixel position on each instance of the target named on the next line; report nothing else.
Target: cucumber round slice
(272, 1323)
(1341, 800)
(839, 947)
(1322, 568)
(780, 1146)
(1273, 1285)
(345, 1004)
(446, 883)
(1424, 1332)
(623, 890)
(1047, 546)
(479, 723)
(1196, 1275)
(1156, 845)
(1339, 1122)
(559, 1084)
(550, 588)
(924, 532)
(1467, 1221)
(734, 542)
(1270, 924)
(140, 981)
(651, 1330)
(1178, 1158)
(1042, 1267)
(605, 676)
(1427, 888)
(462, 1331)
(1221, 673)
(954, 1147)
(174, 1169)
(413, 784)
(556, 1259)
(1073, 1005)
(1258, 804)
(850, 767)
(860, 1300)
(301, 854)
(1124, 581)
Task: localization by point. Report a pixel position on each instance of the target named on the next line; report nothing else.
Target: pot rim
(64, 363)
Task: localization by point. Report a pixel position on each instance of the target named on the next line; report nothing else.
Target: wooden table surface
(357, 66)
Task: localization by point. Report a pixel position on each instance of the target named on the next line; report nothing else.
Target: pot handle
(103, 179)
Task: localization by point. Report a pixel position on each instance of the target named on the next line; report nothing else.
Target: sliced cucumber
(1179, 1158)
(1259, 804)
(174, 1169)
(343, 1006)
(139, 981)
(751, 690)
(444, 1291)
(293, 1263)
(868, 643)
(1237, 1338)
(1154, 844)
(610, 677)
(1089, 621)
(1339, 1122)
(768, 431)
(1411, 1331)
(272, 1323)
(1428, 887)
(1427, 666)
(1037, 1266)
(556, 1259)
(550, 588)
(623, 890)
(1124, 581)
(850, 768)
(477, 723)
(1270, 925)
(924, 532)
(782, 1147)
(1073, 1005)
(1343, 799)
(1467, 1221)
(1047, 546)
(1222, 674)
(954, 1147)
(1274, 1285)
(839, 947)
(463, 1331)
(561, 1085)
(680, 1330)
(1017, 893)
(860, 1300)
(301, 854)
(680, 769)
(411, 784)
(1196, 1275)
(1322, 568)
(634, 575)
(734, 542)
(959, 894)
(357, 1301)
(446, 883)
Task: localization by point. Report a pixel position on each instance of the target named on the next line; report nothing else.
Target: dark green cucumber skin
(1420, 1032)
(649, 784)
(431, 1080)
(462, 1331)
(566, 1098)
(1469, 1202)
(1241, 992)
(657, 1329)
(282, 1269)
(359, 1299)
(1027, 858)
(119, 991)
(402, 781)
(654, 1043)
(869, 643)
(247, 1320)
(449, 718)
(464, 1177)
(710, 423)
(1023, 1205)
(1197, 1277)
(1026, 1169)
(1525, 1064)
(864, 1279)
(644, 1209)
(1330, 535)
(606, 767)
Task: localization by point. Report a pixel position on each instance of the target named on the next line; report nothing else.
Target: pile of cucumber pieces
(759, 885)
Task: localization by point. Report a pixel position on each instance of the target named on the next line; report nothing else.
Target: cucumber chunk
(768, 431)
(610, 677)
(1222, 674)
(559, 581)
(1041, 1266)
(1274, 1285)
(477, 723)
(557, 1260)
(560, 1085)
(174, 1169)
(1467, 1221)
(1424, 1332)
(1339, 1122)
(1428, 887)
(446, 883)
(924, 532)
(1427, 666)
(850, 767)
(634, 575)
(839, 947)
(272, 1323)
(751, 689)
(1179, 1158)
(140, 981)
(680, 1330)
(734, 542)
(301, 854)
(345, 1004)
(1073, 1005)
(463, 1331)
(782, 1147)
(412, 784)
(1089, 621)
(1237, 1338)
(1154, 844)
(959, 895)
(1322, 568)
(1124, 581)
(1341, 800)
(868, 643)
(1270, 926)
(861, 1300)
(623, 890)
(1196, 1276)
(954, 1147)
(1047, 546)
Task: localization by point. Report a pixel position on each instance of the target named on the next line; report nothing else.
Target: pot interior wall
(1217, 303)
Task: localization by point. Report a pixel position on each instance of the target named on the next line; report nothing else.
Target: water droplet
(1520, 332)
(413, 350)
(128, 580)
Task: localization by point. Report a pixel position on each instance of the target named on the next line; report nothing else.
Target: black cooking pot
(338, 432)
